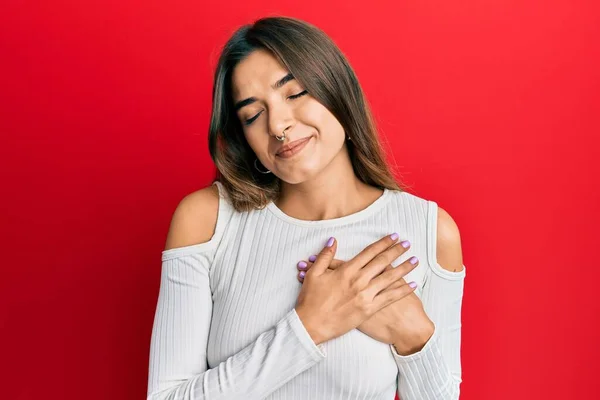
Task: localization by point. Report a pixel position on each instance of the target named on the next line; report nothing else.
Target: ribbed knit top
(225, 325)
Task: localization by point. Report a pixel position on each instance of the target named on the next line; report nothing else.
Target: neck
(334, 193)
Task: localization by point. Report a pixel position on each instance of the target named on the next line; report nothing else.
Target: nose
(280, 120)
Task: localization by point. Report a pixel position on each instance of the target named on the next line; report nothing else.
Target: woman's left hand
(403, 324)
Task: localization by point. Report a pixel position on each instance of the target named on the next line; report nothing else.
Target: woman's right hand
(333, 302)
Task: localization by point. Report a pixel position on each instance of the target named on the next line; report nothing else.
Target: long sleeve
(434, 373)
(178, 367)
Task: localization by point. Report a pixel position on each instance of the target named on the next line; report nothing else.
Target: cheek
(257, 142)
(323, 120)
(331, 132)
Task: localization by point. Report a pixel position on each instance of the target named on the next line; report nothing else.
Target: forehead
(257, 72)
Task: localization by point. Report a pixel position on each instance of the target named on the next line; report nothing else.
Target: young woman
(302, 177)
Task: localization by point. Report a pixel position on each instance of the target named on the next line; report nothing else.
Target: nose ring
(282, 137)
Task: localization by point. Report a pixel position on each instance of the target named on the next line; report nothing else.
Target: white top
(225, 325)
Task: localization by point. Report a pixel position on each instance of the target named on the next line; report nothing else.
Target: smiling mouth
(294, 145)
(296, 148)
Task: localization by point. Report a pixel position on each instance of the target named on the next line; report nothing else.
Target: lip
(294, 148)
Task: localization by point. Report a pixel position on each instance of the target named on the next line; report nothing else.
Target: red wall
(490, 108)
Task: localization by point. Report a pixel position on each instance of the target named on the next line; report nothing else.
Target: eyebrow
(280, 83)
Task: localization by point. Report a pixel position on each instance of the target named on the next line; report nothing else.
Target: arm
(434, 372)
(178, 365)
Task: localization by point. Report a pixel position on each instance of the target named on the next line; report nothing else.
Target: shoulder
(194, 219)
(448, 248)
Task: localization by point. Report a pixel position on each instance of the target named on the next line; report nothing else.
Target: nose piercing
(282, 137)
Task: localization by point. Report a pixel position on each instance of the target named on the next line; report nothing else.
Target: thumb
(335, 263)
(324, 258)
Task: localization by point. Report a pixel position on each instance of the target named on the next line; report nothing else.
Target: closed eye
(293, 97)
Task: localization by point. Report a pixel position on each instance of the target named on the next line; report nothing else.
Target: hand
(332, 302)
(403, 324)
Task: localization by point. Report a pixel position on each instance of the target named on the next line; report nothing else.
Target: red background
(489, 108)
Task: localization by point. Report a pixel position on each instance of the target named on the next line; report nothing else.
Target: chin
(298, 174)
(294, 179)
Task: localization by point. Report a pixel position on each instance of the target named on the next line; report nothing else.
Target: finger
(301, 276)
(324, 258)
(302, 265)
(381, 282)
(302, 270)
(334, 263)
(391, 295)
(372, 251)
(377, 265)
(396, 284)
(387, 268)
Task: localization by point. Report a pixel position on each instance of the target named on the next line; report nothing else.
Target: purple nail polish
(413, 285)
(330, 241)
(302, 265)
(312, 258)
(302, 274)
(405, 244)
(394, 236)
(413, 260)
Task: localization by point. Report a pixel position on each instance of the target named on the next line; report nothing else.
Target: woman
(302, 178)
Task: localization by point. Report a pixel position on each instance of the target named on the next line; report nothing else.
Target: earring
(256, 166)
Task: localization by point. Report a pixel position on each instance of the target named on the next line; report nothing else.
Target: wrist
(311, 328)
(413, 343)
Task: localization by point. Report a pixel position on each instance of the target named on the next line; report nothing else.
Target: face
(266, 109)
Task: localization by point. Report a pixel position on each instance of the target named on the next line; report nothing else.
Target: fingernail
(413, 285)
(302, 274)
(312, 258)
(330, 241)
(405, 244)
(394, 236)
(413, 260)
(302, 265)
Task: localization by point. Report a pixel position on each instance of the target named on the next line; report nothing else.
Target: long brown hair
(323, 70)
